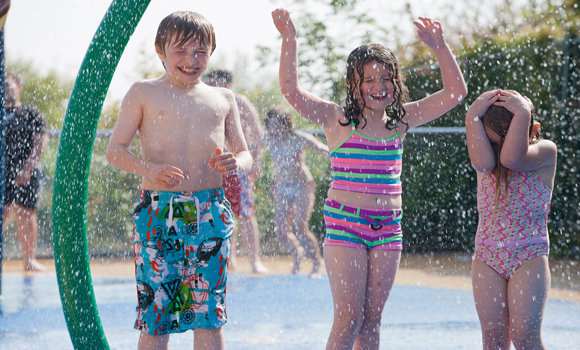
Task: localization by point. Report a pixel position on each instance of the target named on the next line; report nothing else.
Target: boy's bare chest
(181, 114)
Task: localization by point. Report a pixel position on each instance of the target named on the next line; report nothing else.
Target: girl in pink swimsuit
(515, 176)
(363, 211)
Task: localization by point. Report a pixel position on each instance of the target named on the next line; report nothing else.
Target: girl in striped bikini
(363, 211)
(515, 176)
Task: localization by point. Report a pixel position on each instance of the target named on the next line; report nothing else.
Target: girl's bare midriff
(366, 200)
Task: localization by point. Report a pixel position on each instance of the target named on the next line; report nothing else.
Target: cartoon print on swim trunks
(182, 244)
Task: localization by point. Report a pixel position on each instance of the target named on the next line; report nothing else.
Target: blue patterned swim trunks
(182, 246)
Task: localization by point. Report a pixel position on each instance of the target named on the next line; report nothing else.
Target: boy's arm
(454, 88)
(118, 153)
(253, 132)
(308, 105)
(238, 157)
(40, 142)
(478, 145)
(517, 153)
(312, 142)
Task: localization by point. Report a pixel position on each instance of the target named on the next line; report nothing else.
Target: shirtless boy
(182, 220)
(239, 189)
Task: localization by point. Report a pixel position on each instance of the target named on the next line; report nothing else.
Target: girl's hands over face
(482, 104)
(430, 32)
(515, 103)
(284, 23)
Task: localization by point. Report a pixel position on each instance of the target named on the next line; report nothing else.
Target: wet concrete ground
(276, 311)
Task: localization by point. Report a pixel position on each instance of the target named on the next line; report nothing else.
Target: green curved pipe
(72, 172)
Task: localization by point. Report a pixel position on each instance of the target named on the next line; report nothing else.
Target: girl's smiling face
(377, 86)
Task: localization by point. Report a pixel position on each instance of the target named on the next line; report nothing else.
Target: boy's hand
(225, 163)
(430, 32)
(482, 104)
(166, 175)
(284, 23)
(515, 103)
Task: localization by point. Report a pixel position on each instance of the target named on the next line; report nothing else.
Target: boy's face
(185, 63)
(13, 91)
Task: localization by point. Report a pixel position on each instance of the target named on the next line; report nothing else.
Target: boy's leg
(527, 296)
(382, 269)
(209, 339)
(490, 294)
(153, 342)
(347, 273)
(28, 236)
(250, 234)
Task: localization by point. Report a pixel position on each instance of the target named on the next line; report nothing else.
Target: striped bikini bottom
(360, 227)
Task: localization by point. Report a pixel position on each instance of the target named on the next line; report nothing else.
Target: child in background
(183, 222)
(294, 187)
(515, 178)
(363, 211)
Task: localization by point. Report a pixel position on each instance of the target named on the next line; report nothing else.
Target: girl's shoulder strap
(352, 124)
(396, 125)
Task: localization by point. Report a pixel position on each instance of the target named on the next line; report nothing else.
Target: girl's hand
(166, 175)
(284, 23)
(482, 104)
(430, 32)
(515, 103)
(225, 163)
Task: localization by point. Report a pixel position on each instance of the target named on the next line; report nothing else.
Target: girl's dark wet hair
(182, 26)
(355, 64)
(498, 119)
(282, 114)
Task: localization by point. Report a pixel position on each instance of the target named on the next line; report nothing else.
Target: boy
(239, 189)
(26, 141)
(183, 222)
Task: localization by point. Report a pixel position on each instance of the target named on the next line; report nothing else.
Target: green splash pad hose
(69, 214)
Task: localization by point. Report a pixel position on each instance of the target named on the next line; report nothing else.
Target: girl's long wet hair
(498, 119)
(355, 64)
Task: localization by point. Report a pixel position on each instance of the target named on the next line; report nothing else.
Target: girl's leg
(283, 209)
(382, 269)
(303, 206)
(347, 274)
(527, 295)
(490, 294)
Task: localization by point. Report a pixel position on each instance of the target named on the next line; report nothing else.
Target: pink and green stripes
(348, 226)
(366, 165)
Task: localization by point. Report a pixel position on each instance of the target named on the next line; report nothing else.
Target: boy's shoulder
(144, 87)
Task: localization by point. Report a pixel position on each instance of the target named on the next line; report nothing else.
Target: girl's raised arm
(517, 153)
(454, 88)
(480, 150)
(308, 105)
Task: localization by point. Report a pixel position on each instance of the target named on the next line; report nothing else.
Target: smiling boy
(182, 221)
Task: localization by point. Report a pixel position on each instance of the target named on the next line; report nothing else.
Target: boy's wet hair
(355, 64)
(281, 113)
(182, 26)
(498, 119)
(222, 76)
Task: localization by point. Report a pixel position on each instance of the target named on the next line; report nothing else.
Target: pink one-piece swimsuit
(517, 231)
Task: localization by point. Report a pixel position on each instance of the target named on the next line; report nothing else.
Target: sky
(54, 35)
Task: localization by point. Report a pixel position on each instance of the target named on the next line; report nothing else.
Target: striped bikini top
(366, 165)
